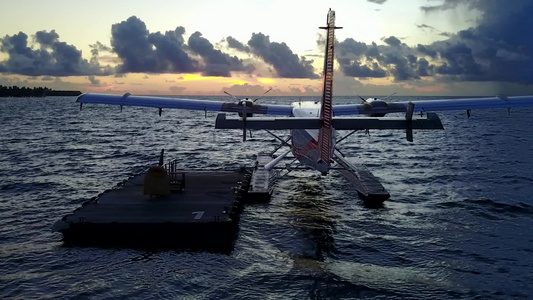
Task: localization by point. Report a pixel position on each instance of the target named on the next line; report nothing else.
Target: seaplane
(314, 126)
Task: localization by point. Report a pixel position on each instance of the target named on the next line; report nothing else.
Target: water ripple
(456, 225)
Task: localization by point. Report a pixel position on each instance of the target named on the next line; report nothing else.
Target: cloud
(426, 50)
(280, 56)
(93, 80)
(145, 52)
(100, 47)
(459, 60)
(246, 90)
(53, 58)
(424, 68)
(377, 1)
(402, 68)
(350, 47)
(395, 59)
(354, 69)
(177, 90)
(392, 40)
(448, 4)
(142, 52)
(425, 26)
(497, 49)
(235, 44)
(46, 38)
(216, 62)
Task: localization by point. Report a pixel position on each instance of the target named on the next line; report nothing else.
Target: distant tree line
(15, 91)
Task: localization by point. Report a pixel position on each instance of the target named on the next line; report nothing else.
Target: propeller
(364, 101)
(243, 114)
(247, 110)
(262, 95)
(389, 96)
(235, 98)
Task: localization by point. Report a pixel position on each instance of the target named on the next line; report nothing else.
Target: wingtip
(79, 97)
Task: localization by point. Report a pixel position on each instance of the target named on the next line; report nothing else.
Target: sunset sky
(205, 47)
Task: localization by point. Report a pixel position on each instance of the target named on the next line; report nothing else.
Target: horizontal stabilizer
(431, 122)
(222, 122)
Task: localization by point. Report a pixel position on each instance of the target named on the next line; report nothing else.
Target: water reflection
(313, 216)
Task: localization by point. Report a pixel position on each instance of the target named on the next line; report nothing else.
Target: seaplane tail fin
(326, 113)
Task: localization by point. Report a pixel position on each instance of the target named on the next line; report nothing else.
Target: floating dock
(201, 210)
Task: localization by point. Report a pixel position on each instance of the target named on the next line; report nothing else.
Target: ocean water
(458, 224)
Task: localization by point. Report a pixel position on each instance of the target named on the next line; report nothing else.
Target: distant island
(15, 91)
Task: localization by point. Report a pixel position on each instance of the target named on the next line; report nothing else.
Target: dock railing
(176, 177)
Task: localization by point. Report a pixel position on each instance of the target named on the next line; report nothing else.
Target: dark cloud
(170, 54)
(355, 69)
(95, 51)
(448, 4)
(280, 56)
(393, 41)
(466, 34)
(425, 26)
(498, 48)
(424, 68)
(54, 58)
(500, 45)
(402, 68)
(93, 80)
(98, 47)
(142, 51)
(426, 50)
(235, 44)
(350, 47)
(373, 52)
(130, 42)
(46, 38)
(358, 59)
(216, 62)
(377, 1)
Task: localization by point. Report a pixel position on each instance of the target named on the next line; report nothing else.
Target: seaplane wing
(246, 106)
(379, 107)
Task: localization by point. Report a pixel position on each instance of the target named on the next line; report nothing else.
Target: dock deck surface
(206, 204)
(207, 197)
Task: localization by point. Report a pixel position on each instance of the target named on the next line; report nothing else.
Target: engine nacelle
(247, 105)
(375, 103)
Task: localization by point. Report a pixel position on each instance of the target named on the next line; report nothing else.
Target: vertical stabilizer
(326, 131)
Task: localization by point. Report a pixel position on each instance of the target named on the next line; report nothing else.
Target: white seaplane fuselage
(305, 146)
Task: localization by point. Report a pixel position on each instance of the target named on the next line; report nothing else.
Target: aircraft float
(313, 125)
